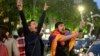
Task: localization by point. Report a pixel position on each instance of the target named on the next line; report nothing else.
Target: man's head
(32, 25)
(60, 27)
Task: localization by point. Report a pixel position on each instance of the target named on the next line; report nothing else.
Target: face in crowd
(32, 25)
(60, 27)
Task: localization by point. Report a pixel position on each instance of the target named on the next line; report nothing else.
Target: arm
(64, 38)
(42, 18)
(15, 48)
(19, 5)
(25, 27)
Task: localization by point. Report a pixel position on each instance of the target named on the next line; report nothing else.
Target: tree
(59, 10)
(8, 10)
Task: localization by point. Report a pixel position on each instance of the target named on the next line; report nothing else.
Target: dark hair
(57, 24)
(2, 35)
(15, 36)
(3, 30)
(30, 22)
(20, 32)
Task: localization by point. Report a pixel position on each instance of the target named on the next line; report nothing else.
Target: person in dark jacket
(33, 43)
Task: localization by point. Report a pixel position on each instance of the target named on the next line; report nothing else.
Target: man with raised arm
(33, 43)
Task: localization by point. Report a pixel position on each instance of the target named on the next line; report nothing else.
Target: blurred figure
(33, 43)
(3, 49)
(58, 40)
(11, 45)
(21, 42)
(73, 40)
(68, 32)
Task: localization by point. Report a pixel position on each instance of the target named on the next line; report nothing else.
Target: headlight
(76, 50)
(80, 54)
(81, 50)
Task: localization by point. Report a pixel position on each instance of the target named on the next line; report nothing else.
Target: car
(81, 44)
(94, 48)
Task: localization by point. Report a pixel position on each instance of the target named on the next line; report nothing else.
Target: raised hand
(19, 4)
(45, 7)
(82, 24)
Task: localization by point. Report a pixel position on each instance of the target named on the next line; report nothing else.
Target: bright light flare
(80, 8)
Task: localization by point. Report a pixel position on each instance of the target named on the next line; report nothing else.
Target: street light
(81, 9)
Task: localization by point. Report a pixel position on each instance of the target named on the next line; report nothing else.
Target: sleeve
(5, 53)
(24, 23)
(54, 44)
(41, 21)
(3, 50)
(15, 48)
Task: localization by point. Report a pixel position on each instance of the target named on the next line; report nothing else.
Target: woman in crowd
(11, 45)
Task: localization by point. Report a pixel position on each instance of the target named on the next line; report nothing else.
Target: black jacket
(33, 43)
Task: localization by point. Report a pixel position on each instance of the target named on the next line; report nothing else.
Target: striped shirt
(21, 45)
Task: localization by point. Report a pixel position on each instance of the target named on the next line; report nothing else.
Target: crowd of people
(29, 42)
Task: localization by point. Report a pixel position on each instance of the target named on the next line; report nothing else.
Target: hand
(19, 5)
(82, 24)
(45, 7)
(76, 34)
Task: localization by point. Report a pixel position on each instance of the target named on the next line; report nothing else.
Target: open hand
(19, 4)
(45, 7)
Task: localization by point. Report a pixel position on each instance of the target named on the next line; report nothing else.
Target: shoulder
(55, 33)
(12, 39)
